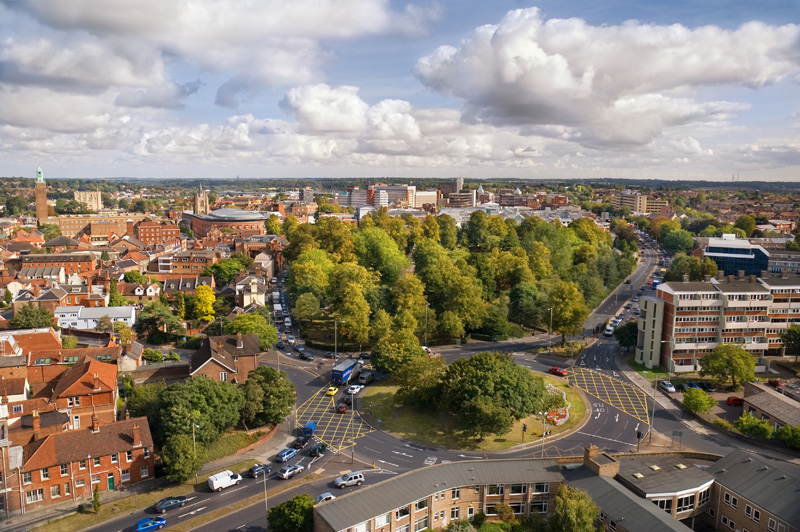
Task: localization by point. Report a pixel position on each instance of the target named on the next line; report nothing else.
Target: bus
(277, 310)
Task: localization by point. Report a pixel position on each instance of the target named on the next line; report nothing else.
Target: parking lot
(338, 431)
(625, 397)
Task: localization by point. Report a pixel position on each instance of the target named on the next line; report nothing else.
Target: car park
(667, 386)
(286, 455)
(150, 523)
(300, 442)
(354, 389)
(318, 450)
(561, 372)
(168, 503)
(332, 391)
(341, 408)
(324, 497)
(734, 401)
(260, 469)
(356, 478)
(289, 471)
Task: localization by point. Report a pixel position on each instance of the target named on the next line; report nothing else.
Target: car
(561, 372)
(348, 400)
(640, 292)
(333, 390)
(707, 387)
(260, 469)
(356, 478)
(354, 389)
(635, 299)
(609, 331)
(692, 384)
(318, 450)
(632, 318)
(667, 386)
(168, 503)
(776, 383)
(628, 305)
(332, 355)
(681, 387)
(150, 523)
(734, 401)
(327, 496)
(289, 471)
(286, 455)
(341, 408)
(305, 356)
(363, 356)
(300, 442)
(290, 339)
(637, 311)
(280, 344)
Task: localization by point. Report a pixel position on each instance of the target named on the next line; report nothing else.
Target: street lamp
(543, 430)
(335, 339)
(266, 501)
(550, 332)
(653, 415)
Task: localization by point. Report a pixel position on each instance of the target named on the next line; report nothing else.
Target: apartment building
(71, 262)
(638, 202)
(193, 262)
(686, 320)
(151, 232)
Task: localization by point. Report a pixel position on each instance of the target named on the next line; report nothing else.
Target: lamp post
(543, 429)
(550, 332)
(194, 447)
(653, 415)
(335, 339)
(266, 501)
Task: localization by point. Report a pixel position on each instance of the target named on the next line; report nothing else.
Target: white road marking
(388, 463)
(637, 427)
(473, 457)
(192, 512)
(403, 454)
(602, 438)
(616, 418)
(597, 416)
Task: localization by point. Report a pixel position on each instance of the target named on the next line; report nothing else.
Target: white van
(287, 322)
(222, 480)
(609, 331)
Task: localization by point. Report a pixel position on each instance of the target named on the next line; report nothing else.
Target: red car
(735, 401)
(561, 372)
(776, 383)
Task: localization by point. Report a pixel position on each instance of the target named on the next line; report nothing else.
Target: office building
(638, 202)
(451, 187)
(733, 254)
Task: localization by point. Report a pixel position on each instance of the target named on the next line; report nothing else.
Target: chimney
(764, 274)
(137, 435)
(36, 424)
(129, 227)
(239, 342)
(96, 382)
(219, 345)
(740, 274)
(731, 278)
(685, 277)
(95, 423)
(127, 414)
(720, 275)
(752, 278)
(707, 278)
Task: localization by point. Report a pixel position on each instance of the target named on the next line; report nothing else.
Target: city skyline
(359, 88)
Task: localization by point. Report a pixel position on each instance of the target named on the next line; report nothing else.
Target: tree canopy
(728, 363)
(254, 324)
(574, 510)
(294, 515)
(32, 316)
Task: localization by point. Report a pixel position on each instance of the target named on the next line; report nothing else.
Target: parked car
(300, 442)
(356, 478)
(354, 389)
(290, 471)
(327, 496)
(318, 450)
(260, 469)
(280, 344)
(776, 383)
(149, 523)
(561, 372)
(692, 384)
(707, 386)
(168, 503)
(635, 299)
(735, 401)
(286, 455)
(666, 386)
(332, 391)
(341, 408)
(680, 387)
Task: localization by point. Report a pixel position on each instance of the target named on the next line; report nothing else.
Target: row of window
(27, 476)
(37, 495)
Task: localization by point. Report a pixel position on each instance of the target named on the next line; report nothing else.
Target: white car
(290, 471)
(666, 386)
(290, 339)
(354, 389)
(609, 331)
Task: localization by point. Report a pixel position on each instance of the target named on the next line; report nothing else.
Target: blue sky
(318, 88)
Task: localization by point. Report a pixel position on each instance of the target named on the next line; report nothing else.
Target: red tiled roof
(75, 445)
(38, 341)
(79, 379)
(14, 386)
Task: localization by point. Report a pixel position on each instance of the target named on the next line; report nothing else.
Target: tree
(728, 362)
(254, 324)
(115, 299)
(224, 271)
(135, 277)
(573, 510)
(697, 400)
(144, 398)
(204, 303)
(104, 325)
(448, 231)
(50, 231)
(123, 332)
(396, 349)
(157, 320)
(245, 260)
(180, 457)
(269, 396)
(69, 342)
(31, 316)
(180, 306)
(627, 334)
(306, 308)
(294, 515)
(679, 241)
(96, 499)
(377, 251)
(104, 256)
(746, 223)
(419, 381)
(749, 425)
(569, 309)
(153, 355)
(273, 225)
(790, 435)
(791, 339)
(8, 297)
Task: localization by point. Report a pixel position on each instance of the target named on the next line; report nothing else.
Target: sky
(567, 89)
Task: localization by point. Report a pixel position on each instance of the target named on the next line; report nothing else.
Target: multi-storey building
(240, 223)
(463, 199)
(425, 197)
(151, 232)
(686, 320)
(194, 262)
(397, 195)
(99, 225)
(733, 254)
(638, 202)
(451, 187)
(71, 262)
(85, 390)
(92, 198)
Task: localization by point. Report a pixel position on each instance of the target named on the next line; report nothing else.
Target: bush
(152, 355)
(749, 425)
(479, 519)
(723, 424)
(69, 342)
(696, 400)
(790, 435)
(191, 343)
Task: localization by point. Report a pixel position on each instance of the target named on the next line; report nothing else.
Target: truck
(222, 480)
(277, 310)
(309, 429)
(366, 377)
(276, 297)
(344, 371)
(655, 282)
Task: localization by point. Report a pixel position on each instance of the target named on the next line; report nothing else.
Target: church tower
(41, 197)
(201, 201)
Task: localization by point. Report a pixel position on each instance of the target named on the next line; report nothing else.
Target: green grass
(644, 372)
(444, 430)
(230, 443)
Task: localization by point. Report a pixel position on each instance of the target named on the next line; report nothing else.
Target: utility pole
(550, 332)
(266, 502)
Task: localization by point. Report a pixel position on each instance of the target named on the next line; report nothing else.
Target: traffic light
(524, 427)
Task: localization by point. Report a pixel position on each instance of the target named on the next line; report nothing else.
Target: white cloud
(168, 96)
(620, 85)
(323, 109)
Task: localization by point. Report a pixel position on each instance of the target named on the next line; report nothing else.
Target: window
(612, 526)
(147, 452)
(711, 512)
(129, 456)
(82, 464)
(95, 479)
(64, 470)
(724, 520)
(517, 507)
(757, 515)
(734, 502)
(494, 489)
(539, 507)
(541, 487)
(421, 504)
(491, 509)
(55, 491)
(80, 483)
(27, 478)
(404, 528)
(727, 498)
(421, 524)
(74, 401)
(664, 504)
(34, 496)
(382, 520)
(45, 474)
(455, 511)
(771, 524)
(455, 493)
(781, 528)
(401, 513)
(66, 488)
(223, 376)
(126, 475)
(16, 409)
(731, 524)
(519, 489)
(748, 510)
(97, 461)
(685, 503)
(705, 495)
(114, 458)
(144, 471)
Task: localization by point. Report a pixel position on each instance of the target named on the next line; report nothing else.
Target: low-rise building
(227, 358)
(77, 317)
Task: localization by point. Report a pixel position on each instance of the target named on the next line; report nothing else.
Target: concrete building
(460, 200)
(307, 195)
(87, 318)
(733, 254)
(451, 187)
(637, 202)
(686, 320)
(397, 195)
(92, 198)
(41, 197)
(425, 197)
(357, 197)
(240, 223)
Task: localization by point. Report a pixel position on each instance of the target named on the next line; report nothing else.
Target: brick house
(71, 262)
(87, 390)
(227, 358)
(67, 466)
